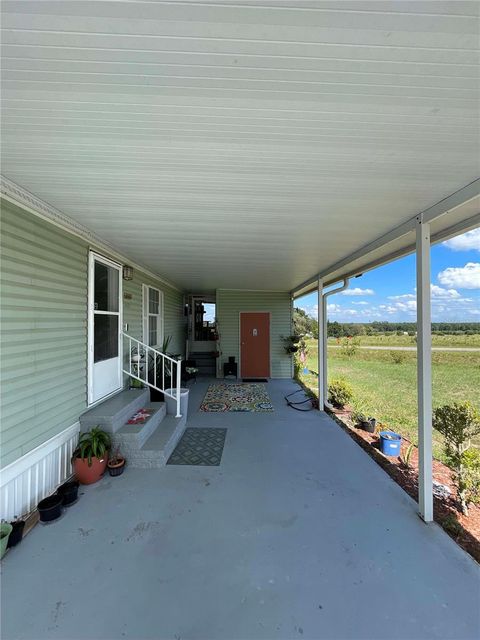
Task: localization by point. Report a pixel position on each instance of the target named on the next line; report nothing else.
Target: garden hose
(297, 405)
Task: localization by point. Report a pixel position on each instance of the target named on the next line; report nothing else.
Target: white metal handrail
(143, 366)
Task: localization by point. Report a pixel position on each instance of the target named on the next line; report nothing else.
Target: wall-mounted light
(127, 272)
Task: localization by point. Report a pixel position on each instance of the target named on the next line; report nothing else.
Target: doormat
(202, 447)
(254, 380)
(141, 416)
(241, 397)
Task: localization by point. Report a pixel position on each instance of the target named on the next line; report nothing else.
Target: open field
(387, 389)
(391, 339)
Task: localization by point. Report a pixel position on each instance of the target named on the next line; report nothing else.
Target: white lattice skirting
(37, 474)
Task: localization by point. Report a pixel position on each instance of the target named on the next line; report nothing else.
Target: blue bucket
(390, 443)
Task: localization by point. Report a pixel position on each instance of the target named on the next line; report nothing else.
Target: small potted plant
(89, 459)
(17, 531)
(5, 531)
(116, 463)
(292, 344)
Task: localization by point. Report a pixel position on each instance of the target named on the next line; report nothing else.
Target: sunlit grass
(392, 339)
(388, 390)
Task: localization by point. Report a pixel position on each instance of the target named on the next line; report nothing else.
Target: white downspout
(323, 335)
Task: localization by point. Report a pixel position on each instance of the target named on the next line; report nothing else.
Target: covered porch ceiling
(244, 145)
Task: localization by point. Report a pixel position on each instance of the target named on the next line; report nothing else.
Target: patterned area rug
(200, 446)
(237, 397)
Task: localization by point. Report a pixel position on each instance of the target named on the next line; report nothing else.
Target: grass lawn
(391, 339)
(387, 390)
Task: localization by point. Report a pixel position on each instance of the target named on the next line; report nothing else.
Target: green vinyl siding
(229, 305)
(174, 320)
(43, 314)
(44, 331)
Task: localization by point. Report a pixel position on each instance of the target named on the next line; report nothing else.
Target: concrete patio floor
(297, 534)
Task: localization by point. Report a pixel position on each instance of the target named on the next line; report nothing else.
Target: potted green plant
(16, 534)
(292, 344)
(5, 531)
(116, 463)
(89, 459)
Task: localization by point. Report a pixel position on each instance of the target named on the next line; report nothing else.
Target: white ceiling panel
(247, 144)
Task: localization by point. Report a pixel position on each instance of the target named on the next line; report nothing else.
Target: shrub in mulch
(465, 530)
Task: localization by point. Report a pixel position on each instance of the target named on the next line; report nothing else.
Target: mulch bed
(465, 530)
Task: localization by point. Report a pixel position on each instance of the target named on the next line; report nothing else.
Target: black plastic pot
(16, 534)
(156, 396)
(50, 508)
(368, 425)
(69, 492)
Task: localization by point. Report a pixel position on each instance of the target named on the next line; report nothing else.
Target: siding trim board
(29, 479)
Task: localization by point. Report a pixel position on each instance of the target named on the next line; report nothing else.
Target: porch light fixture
(127, 272)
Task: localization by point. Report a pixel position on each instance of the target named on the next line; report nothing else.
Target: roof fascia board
(461, 227)
(445, 206)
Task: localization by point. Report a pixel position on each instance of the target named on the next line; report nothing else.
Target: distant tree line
(306, 325)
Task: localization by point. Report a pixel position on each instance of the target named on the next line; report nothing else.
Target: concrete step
(112, 414)
(206, 369)
(205, 363)
(201, 358)
(158, 448)
(132, 437)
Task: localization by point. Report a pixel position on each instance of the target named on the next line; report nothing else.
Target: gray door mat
(202, 446)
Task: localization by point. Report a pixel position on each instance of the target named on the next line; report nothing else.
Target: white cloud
(405, 296)
(467, 277)
(311, 311)
(388, 308)
(465, 242)
(334, 308)
(356, 291)
(363, 302)
(410, 306)
(439, 292)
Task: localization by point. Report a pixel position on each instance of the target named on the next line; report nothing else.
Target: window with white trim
(152, 316)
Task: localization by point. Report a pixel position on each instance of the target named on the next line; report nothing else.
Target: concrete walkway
(297, 535)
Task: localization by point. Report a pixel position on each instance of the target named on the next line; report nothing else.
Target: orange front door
(255, 345)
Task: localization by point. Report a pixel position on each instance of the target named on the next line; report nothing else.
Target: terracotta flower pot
(86, 474)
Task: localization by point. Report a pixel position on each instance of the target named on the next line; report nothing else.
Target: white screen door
(104, 323)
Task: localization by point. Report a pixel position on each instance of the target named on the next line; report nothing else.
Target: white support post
(321, 347)
(424, 372)
(325, 349)
(179, 384)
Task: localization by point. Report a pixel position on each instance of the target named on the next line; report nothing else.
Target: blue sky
(388, 292)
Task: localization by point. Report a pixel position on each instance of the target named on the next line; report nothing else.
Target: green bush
(398, 357)
(471, 461)
(339, 393)
(349, 346)
(459, 423)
